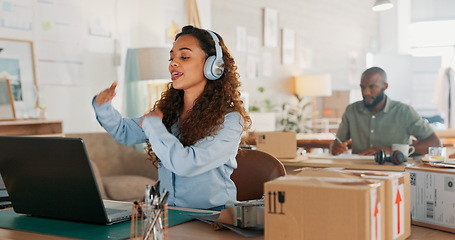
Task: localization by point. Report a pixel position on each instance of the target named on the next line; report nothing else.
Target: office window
(433, 38)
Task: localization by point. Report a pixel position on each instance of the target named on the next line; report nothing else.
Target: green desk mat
(11, 220)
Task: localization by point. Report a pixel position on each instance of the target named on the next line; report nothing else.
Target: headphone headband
(214, 65)
(218, 51)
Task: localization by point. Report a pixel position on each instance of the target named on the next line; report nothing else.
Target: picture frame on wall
(288, 47)
(271, 30)
(17, 64)
(7, 111)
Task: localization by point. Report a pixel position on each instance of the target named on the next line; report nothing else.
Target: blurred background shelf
(49, 128)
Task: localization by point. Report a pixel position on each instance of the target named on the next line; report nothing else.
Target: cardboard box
(278, 144)
(397, 211)
(334, 105)
(323, 208)
(433, 197)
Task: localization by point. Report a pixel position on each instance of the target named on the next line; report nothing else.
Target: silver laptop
(53, 177)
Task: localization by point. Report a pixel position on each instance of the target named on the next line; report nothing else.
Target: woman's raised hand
(106, 95)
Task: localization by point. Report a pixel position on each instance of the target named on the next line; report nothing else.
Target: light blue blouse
(196, 176)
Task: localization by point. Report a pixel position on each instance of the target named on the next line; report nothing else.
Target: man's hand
(373, 150)
(107, 95)
(336, 148)
(157, 112)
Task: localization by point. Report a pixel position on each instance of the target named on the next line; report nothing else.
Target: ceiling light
(381, 5)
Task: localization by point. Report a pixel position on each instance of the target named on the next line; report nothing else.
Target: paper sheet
(341, 157)
(211, 218)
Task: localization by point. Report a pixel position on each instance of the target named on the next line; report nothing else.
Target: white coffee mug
(317, 151)
(406, 149)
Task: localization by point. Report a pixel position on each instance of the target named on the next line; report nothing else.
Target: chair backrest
(254, 168)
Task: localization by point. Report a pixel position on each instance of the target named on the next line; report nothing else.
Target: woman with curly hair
(193, 132)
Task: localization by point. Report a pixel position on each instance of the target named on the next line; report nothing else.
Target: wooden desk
(32, 128)
(308, 141)
(197, 230)
(445, 133)
(447, 136)
(303, 161)
(202, 231)
(308, 144)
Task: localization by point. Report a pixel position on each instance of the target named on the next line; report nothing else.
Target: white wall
(337, 34)
(332, 31)
(73, 65)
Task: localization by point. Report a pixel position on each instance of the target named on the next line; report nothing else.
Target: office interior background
(80, 47)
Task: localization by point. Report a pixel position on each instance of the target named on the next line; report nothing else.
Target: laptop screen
(2, 184)
(51, 177)
(3, 192)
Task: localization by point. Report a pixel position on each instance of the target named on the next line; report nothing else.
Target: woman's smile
(176, 75)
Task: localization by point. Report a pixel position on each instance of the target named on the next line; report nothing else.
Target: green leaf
(297, 96)
(261, 89)
(254, 109)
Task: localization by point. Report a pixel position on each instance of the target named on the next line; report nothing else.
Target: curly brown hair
(219, 97)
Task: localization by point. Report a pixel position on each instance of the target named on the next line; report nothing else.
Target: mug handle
(411, 150)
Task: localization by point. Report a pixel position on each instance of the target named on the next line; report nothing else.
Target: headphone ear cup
(218, 68)
(397, 157)
(208, 68)
(379, 156)
(213, 68)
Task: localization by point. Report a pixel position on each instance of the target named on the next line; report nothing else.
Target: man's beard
(376, 100)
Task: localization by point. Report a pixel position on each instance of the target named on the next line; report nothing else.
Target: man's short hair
(376, 70)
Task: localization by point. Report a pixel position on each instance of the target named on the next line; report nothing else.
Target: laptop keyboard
(5, 204)
(110, 211)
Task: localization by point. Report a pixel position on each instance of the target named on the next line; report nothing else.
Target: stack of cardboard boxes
(338, 204)
(328, 203)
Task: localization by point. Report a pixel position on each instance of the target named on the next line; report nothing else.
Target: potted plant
(267, 104)
(261, 114)
(296, 115)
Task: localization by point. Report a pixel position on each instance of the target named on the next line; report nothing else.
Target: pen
(338, 140)
(139, 210)
(147, 205)
(156, 189)
(164, 198)
(147, 194)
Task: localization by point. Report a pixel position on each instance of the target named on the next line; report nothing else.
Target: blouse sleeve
(205, 155)
(124, 130)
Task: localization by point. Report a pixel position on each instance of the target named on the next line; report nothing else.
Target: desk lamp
(313, 86)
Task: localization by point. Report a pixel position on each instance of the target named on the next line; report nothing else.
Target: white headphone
(214, 65)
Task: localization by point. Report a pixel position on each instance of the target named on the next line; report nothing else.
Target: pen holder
(149, 222)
